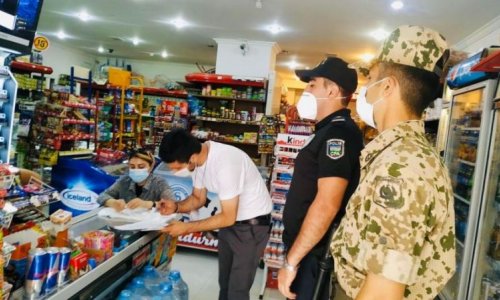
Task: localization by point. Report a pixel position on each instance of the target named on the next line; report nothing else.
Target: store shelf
(274, 263)
(222, 80)
(230, 142)
(279, 201)
(275, 240)
(466, 162)
(29, 67)
(469, 128)
(78, 122)
(128, 117)
(277, 216)
(78, 105)
(76, 152)
(221, 98)
(147, 116)
(162, 92)
(462, 199)
(78, 138)
(489, 64)
(219, 120)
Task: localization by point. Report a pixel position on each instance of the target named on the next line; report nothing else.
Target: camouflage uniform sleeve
(398, 213)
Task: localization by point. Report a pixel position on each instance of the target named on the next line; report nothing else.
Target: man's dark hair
(418, 87)
(178, 145)
(346, 97)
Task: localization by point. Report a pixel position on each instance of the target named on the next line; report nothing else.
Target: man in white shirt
(244, 219)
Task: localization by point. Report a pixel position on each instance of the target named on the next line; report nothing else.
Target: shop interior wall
(483, 37)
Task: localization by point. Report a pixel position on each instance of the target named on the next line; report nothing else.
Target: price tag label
(41, 43)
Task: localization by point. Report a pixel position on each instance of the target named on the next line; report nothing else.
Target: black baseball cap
(334, 69)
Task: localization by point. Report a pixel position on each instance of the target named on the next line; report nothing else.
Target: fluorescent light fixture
(293, 65)
(7, 20)
(100, 49)
(367, 57)
(84, 16)
(258, 4)
(164, 54)
(135, 41)
(397, 5)
(179, 23)
(379, 34)
(274, 29)
(61, 35)
(151, 54)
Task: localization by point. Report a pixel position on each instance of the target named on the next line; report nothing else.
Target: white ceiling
(313, 28)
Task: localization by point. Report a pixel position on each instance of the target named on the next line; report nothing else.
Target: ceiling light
(84, 16)
(151, 54)
(379, 34)
(258, 4)
(274, 29)
(367, 57)
(307, 68)
(397, 5)
(135, 41)
(293, 65)
(100, 49)
(61, 35)
(179, 23)
(164, 54)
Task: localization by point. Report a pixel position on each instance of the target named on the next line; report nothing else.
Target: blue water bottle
(180, 288)
(125, 295)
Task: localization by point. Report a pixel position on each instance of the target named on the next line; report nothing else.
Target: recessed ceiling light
(84, 16)
(274, 29)
(258, 4)
(61, 35)
(293, 65)
(379, 34)
(367, 57)
(397, 5)
(179, 23)
(164, 54)
(135, 41)
(100, 49)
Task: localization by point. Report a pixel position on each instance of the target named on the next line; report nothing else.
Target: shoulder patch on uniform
(335, 148)
(388, 192)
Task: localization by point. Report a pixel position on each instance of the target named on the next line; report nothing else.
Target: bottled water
(139, 290)
(125, 295)
(151, 276)
(180, 288)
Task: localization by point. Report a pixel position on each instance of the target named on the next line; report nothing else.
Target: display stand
(286, 151)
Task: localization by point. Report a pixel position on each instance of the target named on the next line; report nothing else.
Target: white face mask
(138, 175)
(184, 172)
(366, 110)
(307, 106)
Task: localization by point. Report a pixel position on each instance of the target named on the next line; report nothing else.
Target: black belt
(260, 220)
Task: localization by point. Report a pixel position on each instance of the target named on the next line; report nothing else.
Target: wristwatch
(289, 267)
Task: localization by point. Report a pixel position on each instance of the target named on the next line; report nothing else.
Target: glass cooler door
(460, 155)
(486, 267)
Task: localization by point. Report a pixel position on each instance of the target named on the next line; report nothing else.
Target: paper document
(136, 219)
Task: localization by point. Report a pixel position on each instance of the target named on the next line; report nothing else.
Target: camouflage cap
(415, 46)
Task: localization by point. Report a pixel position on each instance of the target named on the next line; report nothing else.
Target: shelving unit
(8, 92)
(286, 151)
(230, 110)
(31, 84)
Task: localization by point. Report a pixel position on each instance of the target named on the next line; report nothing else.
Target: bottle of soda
(180, 288)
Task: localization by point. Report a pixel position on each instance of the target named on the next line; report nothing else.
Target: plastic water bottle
(125, 295)
(180, 288)
(151, 276)
(139, 289)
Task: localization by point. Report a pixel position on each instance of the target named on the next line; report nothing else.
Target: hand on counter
(167, 207)
(138, 202)
(117, 204)
(176, 228)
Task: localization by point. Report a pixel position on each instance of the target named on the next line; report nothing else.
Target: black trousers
(306, 279)
(240, 248)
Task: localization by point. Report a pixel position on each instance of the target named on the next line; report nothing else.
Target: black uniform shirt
(333, 152)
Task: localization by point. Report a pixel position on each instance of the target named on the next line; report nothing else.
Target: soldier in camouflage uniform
(397, 239)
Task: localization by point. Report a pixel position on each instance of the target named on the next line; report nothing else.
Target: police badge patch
(335, 148)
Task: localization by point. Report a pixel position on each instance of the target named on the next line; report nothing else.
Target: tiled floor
(199, 269)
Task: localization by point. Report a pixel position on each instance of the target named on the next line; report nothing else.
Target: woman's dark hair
(178, 146)
(142, 154)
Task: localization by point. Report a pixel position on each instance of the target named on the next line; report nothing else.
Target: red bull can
(36, 273)
(53, 255)
(64, 258)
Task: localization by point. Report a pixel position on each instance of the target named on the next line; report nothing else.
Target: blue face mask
(138, 175)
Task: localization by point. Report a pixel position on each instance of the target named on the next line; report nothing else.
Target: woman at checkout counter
(140, 188)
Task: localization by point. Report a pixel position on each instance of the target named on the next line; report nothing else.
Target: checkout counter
(109, 277)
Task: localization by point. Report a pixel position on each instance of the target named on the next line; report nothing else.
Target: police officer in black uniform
(326, 174)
